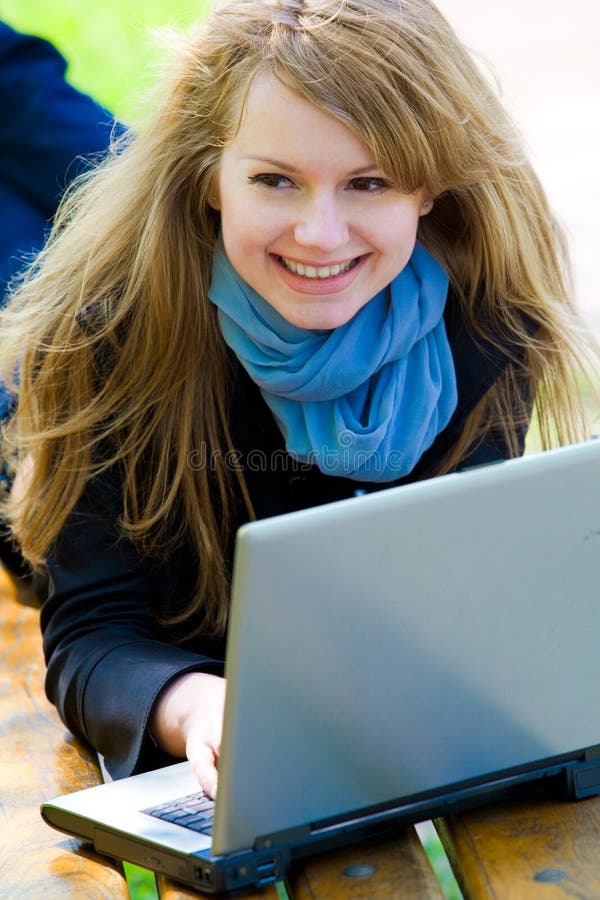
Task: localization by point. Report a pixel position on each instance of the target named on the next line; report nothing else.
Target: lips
(323, 284)
(317, 272)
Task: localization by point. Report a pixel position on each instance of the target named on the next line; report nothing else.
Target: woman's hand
(188, 721)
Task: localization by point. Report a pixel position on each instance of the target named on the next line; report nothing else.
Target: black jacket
(108, 660)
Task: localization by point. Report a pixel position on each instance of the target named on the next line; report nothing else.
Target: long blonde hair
(120, 358)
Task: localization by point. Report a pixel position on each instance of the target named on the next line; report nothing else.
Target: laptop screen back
(406, 640)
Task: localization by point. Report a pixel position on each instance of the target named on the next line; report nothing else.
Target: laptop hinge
(583, 778)
(285, 838)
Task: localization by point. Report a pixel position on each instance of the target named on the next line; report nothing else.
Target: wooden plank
(535, 848)
(39, 760)
(170, 890)
(390, 869)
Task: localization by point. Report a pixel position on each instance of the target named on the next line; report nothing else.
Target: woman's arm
(187, 721)
(108, 660)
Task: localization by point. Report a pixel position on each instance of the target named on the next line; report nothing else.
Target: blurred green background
(109, 46)
(113, 50)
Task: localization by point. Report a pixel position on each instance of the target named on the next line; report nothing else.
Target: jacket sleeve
(107, 658)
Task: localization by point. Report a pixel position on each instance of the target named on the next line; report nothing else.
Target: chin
(318, 320)
(318, 323)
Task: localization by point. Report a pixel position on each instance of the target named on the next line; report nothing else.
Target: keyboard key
(195, 811)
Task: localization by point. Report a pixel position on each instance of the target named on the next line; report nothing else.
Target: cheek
(398, 231)
(395, 240)
(245, 221)
(245, 249)
(407, 219)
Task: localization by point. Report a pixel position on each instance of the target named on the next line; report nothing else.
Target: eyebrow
(373, 167)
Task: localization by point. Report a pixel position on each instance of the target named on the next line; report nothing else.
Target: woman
(234, 318)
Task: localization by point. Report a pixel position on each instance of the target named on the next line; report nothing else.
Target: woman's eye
(369, 185)
(271, 180)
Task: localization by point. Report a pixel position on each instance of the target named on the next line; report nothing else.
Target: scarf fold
(364, 400)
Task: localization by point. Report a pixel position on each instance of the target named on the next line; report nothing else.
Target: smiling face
(308, 219)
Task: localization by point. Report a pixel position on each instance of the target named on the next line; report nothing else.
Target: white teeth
(316, 272)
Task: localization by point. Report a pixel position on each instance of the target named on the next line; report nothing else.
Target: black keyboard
(195, 811)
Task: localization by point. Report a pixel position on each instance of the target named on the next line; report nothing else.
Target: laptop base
(270, 859)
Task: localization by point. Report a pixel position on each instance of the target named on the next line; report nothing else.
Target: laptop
(391, 658)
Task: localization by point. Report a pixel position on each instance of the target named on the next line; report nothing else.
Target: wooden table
(39, 760)
(538, 849)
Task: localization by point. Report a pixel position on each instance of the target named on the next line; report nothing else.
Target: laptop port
(204, 875)
(267, 872)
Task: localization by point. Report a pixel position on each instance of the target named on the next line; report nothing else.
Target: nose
(322, 224)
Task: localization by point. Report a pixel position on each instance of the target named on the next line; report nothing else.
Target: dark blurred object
(49, 133)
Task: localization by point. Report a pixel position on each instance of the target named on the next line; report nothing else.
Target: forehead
(278, 122)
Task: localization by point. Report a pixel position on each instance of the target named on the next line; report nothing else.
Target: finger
(204, 767)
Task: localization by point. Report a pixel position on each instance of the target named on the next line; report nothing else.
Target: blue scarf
(364, 400)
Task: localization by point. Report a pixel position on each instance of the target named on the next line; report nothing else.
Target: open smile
(308, 278)
(320, 272)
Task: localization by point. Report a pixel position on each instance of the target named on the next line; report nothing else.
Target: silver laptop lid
(408, 639)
